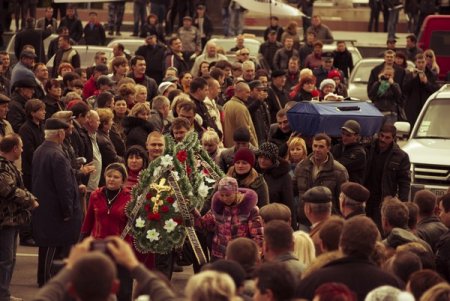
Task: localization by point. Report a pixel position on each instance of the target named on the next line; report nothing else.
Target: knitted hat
(327, 81)
(118, 167)
(244, 154)
(228, 185)
(334, 73)
(355, 191)
(164, 86)
(269, 150)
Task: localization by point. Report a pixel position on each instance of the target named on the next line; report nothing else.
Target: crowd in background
(316, 210)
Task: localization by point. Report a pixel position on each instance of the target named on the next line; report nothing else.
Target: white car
(428, 146)
(10, 47)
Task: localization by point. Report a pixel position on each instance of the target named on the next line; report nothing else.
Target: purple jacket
(230, 222)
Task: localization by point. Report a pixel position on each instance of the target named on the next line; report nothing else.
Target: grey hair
(50, 133)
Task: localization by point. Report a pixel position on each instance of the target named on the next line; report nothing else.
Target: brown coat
(236, 116)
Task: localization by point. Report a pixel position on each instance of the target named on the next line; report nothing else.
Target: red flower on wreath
(164, 209)
(188, 170)
(178, 220)
(205, 171)
(170, 200)
(182, 155)
(148, 196)
(148, 208)
(154, 216)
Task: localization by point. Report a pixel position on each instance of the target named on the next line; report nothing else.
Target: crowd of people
(294, 217)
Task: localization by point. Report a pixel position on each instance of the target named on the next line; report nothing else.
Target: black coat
(109, 154)
(259, 111)
(52, 105)
(16, 114)
(95, 35)
(32, 136)
(34, 37)
(173, 60)
(443, 256)
(136, 131)
(57, 220)
(353, 157)
(154, 59)
(276, 100)
(416, 93)
(360, 275)
(396, 175)
(430, 229)
(75, 27)
(279, 183)
(343, 61)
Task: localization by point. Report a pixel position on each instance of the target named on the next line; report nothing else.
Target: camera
(100, 245)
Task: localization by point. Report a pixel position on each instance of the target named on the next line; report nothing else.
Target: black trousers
(48, 264)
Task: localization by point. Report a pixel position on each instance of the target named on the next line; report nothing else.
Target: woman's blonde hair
(210, 136)
(105, 115)
(139, 108)
(139, 87)
(210, 286)
(434, 64)
(296, 142)
(438, 292)
(304, 248)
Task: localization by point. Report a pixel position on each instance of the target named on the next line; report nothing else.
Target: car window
(433, 123)
(440, 43)
(362, 73)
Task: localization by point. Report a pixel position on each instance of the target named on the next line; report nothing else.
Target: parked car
(429, 144)
(435, 34)
(357, 84)
(86, 53)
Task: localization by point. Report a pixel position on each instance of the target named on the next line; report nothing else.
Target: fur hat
(327, 81)
(269, 150)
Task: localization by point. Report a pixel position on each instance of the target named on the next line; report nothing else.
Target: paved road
(24, 279)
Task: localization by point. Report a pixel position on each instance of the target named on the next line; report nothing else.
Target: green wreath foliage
(159, 226)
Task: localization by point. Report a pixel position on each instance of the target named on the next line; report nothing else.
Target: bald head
(242, 91)
(211, 49)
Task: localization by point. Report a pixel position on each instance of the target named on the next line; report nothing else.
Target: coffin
(309, 118)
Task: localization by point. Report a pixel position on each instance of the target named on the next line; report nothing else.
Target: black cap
(327, 56)
(352, 126)
(277, 73)
(28, 54)
(317, 195)
(4, 99)
(56, 124)
(256, 84)
(355, 191)
(25, 83)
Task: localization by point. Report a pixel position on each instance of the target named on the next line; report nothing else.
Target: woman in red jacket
(106, 217)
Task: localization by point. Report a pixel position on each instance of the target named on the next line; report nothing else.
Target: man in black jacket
(259, 111)
(387, 173)
(343, 59)
(443, 245)
(94, 33)
(350, 153)
(32, 36)
(357, 242)
(389, 57)
(153, 53)
(73, 24)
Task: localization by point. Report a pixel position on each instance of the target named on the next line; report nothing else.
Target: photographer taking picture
(419, 85)
(387, 95)
(89, 274)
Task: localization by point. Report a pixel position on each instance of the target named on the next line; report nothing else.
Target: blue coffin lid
(310, 118)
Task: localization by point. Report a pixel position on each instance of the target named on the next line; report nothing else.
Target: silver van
(428, 146)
